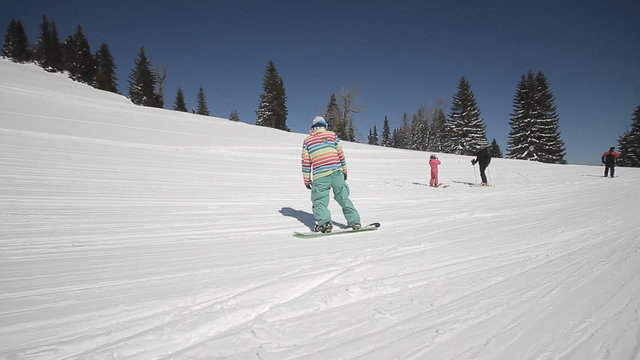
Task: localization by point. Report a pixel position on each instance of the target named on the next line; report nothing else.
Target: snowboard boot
(356, 226)
(326, 228)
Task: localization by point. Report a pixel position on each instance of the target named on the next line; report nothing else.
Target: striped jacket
(322, 154)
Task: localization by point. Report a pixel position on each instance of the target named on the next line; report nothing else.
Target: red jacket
(610, 157)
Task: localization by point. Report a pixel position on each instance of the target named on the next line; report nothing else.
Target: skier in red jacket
(609, 161)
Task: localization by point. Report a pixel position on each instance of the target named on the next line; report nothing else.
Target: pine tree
(386, 134)
(77, 58)
(552, 148)
(376, 140)
(272, 109)
(351, 132)
(373, 136)
(534, 131)
(202, 103)
(16, 44)
(332, 115)
(466, 130)
(105, 78)
(48, 53)
(437, 131)
(402, 136)
(522, 120)
(234, 116)
(179, 104)
(396, 139)
(142, 83)
(494, 149)
(419, 133)
(629, 143)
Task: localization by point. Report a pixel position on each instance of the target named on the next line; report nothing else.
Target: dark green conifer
(629, 143)
(373, 136)
(494, 149)
(16, 45)
(419, 136)
(534, 131)
(234, 116)
(272, 109)
(142, 82)
(333, 116)
(48, 53)
(77, 57)
(180, 104)
(202, 109)
(438, 131)
(387, 140)
(466, 130)
(105, 76)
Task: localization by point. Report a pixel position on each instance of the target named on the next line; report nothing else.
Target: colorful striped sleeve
(306, 164)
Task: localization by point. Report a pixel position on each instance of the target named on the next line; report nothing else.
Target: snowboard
(311, 234)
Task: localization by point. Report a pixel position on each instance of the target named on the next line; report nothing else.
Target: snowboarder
(609, 161)
(483, 157)
(433, 163)
(324, 167)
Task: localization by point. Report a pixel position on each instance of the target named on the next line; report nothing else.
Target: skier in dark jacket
(483, 157)
(609, 161)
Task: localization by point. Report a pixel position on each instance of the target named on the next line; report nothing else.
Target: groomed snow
(136, 233)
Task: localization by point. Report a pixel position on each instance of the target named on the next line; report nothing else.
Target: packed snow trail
(136, 233)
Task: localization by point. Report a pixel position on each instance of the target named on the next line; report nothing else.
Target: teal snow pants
(320, 198)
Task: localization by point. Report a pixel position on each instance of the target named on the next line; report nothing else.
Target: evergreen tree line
(534, 124)
(74, 56)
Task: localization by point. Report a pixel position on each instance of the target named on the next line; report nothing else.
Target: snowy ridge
(135, 233)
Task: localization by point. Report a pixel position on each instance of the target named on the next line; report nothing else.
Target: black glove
(473, 162)
(345, 176)
(308, 186)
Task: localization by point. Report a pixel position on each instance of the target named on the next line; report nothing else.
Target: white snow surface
(129, 232)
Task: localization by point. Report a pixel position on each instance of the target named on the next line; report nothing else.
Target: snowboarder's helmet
(433, 156)
(611, 148)
(318, 121)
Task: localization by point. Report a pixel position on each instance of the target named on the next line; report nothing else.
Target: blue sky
(397, 57)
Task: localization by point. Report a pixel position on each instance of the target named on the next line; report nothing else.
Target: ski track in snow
(135, 233)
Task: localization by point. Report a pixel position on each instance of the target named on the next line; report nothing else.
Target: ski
(311, 234)
(471, 184)
(441, 185)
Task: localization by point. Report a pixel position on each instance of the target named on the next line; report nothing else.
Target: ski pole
(474, 173)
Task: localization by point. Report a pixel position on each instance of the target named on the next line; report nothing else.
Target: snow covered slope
(137, 233)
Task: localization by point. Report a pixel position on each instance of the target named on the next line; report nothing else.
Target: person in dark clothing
(609, 161)
(483, 157)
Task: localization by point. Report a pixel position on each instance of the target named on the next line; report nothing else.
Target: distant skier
(433, 163)
(609, 161)
(483, 157)
(324, 167)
